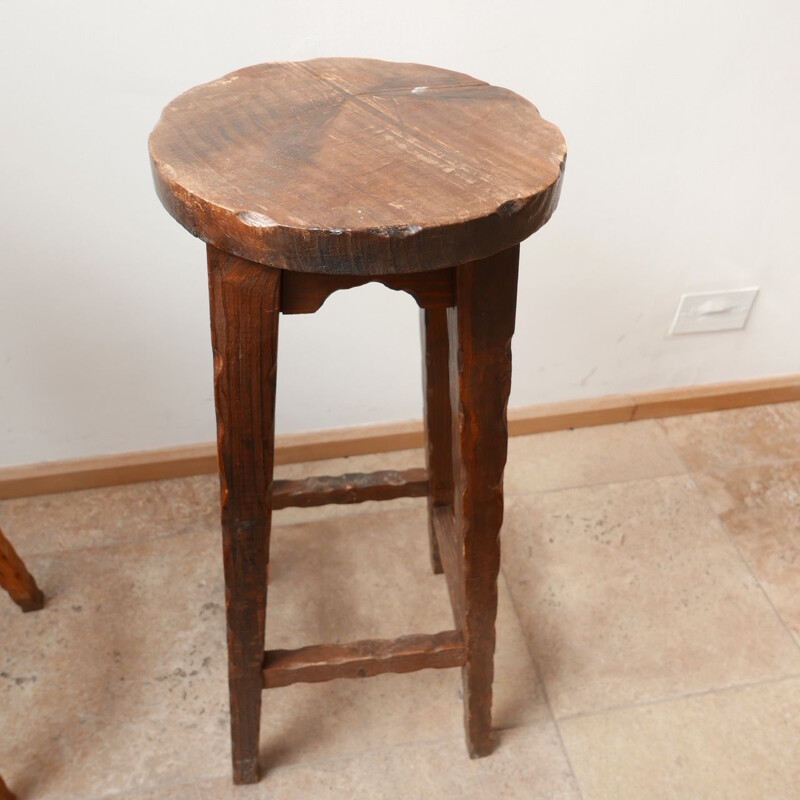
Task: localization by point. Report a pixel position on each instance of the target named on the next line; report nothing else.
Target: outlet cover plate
(705, 312)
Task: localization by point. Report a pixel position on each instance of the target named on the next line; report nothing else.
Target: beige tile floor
(648, 632)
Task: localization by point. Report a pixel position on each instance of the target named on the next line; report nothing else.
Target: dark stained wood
(245, 299)
(363, 659)
(355, 166)
(357, 487)
(305, 292)
(480, 330)
(16, 580)
(452, 559)
(308, 178)
(19, 583)
(438, 438)
(5, 792)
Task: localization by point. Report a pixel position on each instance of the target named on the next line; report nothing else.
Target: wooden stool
(305, 178)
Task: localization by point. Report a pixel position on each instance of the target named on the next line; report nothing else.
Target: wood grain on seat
(356, 166)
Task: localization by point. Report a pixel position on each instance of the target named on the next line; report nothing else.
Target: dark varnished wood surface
(480, 329)
(305, 292)
(356, 487)
(355, 166)
(245, 302)
(364, 659)
(451, 557)
(438, 423)
(467, 323)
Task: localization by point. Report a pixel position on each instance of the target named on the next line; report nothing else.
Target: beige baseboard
(201, 459)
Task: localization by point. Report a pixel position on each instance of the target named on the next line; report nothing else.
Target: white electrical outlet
(713, 311)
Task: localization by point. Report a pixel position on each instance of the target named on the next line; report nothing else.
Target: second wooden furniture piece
(5, 792)
(306, 178)
(16, 580)
(19, 583)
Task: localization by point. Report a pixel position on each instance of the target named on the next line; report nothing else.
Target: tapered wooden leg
(5, 792)
(245, 301)
(16, 579)
(481, 327)
(438, 425)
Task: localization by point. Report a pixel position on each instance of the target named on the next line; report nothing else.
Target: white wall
(682, 120)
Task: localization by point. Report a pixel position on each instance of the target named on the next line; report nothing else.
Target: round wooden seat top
(356, 166)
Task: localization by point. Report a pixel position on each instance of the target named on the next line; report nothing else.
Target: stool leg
(481, 327)
(438, 424)
(244, 326)
(16, 579)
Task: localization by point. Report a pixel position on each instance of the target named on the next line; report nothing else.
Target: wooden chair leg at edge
(16, 580)
(5, 792)
(19, 583)
(245, 302)
(480, 330)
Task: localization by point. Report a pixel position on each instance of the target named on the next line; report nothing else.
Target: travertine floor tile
(737, 436)
(740, 743)
(760, 505)
(528, 763)
(120, 682)
(632, 592)
(588, 456)
(96, 517)
(627, 592)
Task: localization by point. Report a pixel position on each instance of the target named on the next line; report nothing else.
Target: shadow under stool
(307, 178)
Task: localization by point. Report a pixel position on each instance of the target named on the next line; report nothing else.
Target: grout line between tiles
(732, 539)
(604, 484)
(189, 529)
(31, 555)
(750, 571)
(359, 510)
(762, 462)
(734, 687)
(542, 684)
